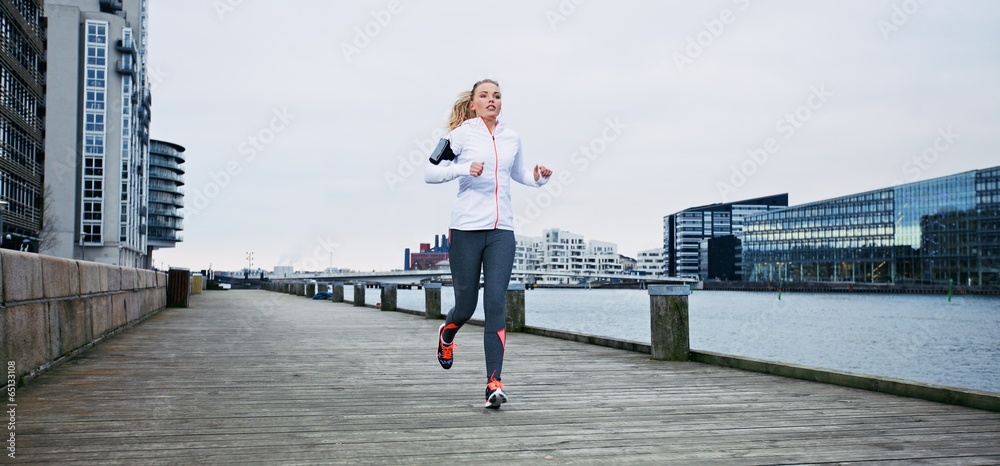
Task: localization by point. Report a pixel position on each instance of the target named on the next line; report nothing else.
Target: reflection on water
(923, 338)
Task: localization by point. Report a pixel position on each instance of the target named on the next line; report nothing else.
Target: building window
(94, 131)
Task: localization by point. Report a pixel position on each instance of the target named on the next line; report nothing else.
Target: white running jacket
(483, 201)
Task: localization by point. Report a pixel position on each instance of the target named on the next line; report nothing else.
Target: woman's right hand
(476, 169)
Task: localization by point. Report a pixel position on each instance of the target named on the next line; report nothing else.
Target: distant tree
(47, 238)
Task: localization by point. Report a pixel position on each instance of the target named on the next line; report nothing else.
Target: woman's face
(486, 100)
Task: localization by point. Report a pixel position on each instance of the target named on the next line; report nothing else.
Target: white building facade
(650, 262)
(97, 129)
(562, 251)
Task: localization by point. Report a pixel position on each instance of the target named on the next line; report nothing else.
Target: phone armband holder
(442, 152)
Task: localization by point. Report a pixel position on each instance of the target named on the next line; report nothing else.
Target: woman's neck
(491, 123)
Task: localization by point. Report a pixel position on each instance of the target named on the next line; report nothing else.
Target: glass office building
(925, 233)
(684, 231)
(22, 123)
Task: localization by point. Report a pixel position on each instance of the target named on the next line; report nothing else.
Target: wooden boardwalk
(256, 377)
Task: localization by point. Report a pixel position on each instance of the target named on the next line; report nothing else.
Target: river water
(922, 338)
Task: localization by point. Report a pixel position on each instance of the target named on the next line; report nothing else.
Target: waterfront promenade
(261, 377)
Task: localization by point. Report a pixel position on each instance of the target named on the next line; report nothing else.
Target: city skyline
(319, 127)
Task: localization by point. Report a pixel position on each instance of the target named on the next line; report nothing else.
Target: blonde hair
(461, 110)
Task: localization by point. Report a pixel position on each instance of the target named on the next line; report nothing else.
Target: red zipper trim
(496, 175)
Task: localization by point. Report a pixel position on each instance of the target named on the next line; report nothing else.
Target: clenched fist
(476, 169)
(540, 170)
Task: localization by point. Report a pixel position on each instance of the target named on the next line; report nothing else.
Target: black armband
(442, 152)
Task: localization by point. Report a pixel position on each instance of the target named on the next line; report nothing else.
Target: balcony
(156, 173)
(174, 223)
(167, 198)
(128, 69)
(164, 162)
(111, 6)
(125, 47)
(166, 187)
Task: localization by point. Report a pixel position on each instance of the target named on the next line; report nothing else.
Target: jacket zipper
(496, 175)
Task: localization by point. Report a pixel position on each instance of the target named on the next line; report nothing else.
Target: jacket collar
(478, 122)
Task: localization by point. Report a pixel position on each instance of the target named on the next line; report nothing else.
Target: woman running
(487, 157)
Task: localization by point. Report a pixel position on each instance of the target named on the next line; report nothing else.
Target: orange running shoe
(494, 394)
(444, 352)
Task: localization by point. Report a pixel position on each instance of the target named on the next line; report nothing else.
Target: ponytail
(461, 111)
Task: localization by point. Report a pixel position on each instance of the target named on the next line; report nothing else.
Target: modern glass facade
(22, 120)
(926, 233)
(988, 224)
(684, 231)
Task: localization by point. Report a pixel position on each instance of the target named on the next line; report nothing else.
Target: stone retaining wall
(53, 308)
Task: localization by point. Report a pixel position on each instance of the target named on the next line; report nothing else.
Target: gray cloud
(325, 175)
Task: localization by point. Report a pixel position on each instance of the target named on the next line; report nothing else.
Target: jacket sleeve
(448, 170)
(445, 171)
(525, 177)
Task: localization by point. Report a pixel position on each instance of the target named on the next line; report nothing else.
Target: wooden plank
(244, 377)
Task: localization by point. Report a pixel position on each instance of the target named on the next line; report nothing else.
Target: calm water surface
(922, 338)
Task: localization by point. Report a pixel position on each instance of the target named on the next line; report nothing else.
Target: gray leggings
(492, 252)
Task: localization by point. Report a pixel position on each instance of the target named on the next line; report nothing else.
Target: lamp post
(83, 250)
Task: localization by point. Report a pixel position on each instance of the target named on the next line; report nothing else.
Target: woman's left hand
(541, 171)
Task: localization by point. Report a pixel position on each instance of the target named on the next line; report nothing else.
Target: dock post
(338, 292)
(515, 307)
(432, 300)
(388, 297)
(310, 289)
(359, 293)
(668, 322)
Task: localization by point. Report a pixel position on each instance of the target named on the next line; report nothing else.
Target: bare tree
(47, 238)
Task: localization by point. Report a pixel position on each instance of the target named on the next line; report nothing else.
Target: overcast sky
(306, 122)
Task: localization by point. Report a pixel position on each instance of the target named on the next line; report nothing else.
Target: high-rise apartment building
(97, 129)
(22, 122)
(684, 230)
(166, 197)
